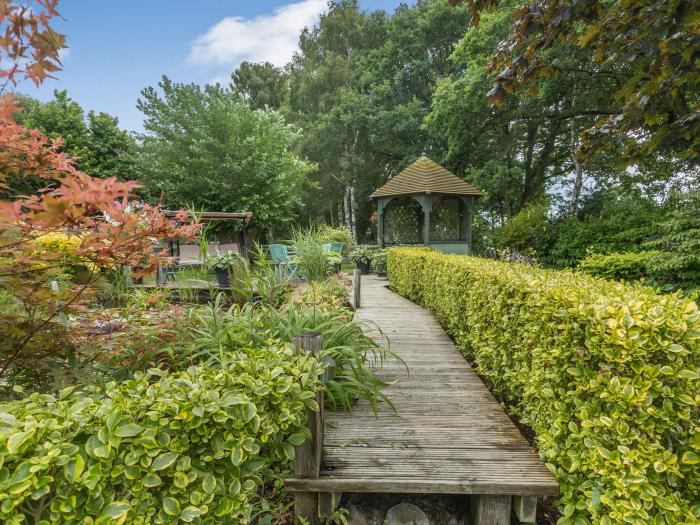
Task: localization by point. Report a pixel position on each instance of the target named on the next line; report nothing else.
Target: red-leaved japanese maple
(107, 227)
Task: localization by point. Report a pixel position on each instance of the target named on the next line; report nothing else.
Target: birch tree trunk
(578, 167)
(340, 212)
(353, 212)
(347, 207)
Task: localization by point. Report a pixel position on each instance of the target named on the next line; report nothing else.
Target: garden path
(448, 435)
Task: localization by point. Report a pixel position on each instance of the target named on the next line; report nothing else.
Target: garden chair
(281, 256)
(336, 247)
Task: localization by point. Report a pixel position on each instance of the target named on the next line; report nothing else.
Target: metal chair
(282, 257)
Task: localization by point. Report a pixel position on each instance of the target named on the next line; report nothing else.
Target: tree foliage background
(584, 142)
(206, 148)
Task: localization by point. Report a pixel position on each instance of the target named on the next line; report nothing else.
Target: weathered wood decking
(448, 435)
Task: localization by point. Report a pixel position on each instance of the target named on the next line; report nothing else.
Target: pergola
(426, 205)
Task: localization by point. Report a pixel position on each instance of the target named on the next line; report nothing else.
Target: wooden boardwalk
(448, 434)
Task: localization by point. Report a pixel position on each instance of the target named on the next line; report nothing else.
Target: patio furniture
(333, 247)
(282, 256)
(189, 255)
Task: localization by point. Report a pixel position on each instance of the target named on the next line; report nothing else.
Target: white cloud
(270, 37)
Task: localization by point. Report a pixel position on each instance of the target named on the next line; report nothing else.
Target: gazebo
(426, 205)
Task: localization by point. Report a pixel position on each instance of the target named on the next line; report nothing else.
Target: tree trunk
(347, 207)
(353, 212)
(340, 212)
(578, 180)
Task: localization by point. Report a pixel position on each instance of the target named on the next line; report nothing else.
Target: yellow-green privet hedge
(605, 373)
(190, 446)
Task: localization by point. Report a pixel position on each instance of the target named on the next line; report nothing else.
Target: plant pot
(381, 270)
(222, 277)
(363, 266)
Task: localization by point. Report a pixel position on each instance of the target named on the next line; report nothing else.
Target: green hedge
(605, 373)
(191, 446)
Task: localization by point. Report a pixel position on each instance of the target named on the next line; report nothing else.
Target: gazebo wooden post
(381, 203)
(470, 216)
(427, 204)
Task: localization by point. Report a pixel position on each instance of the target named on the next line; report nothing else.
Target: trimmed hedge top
(605, 373)
(190, 446)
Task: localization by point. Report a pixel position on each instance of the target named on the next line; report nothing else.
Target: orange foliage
(114, 229)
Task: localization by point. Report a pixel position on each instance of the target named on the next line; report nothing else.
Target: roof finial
(424, 156)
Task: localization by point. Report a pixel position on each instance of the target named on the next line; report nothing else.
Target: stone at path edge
(406, 514)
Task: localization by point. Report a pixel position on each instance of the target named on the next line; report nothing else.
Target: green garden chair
(281, 256)
(336, 247)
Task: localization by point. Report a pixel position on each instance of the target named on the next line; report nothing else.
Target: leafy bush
(608, 223)
(258, 281)
(605, 373)
(379, 260)
(526, 231)
(310, 258)
(680, 264)
(627, 266)
(193, 446)
(332, 292)
(224, 261)
(362, 255)
(340, 234)
(210, 335)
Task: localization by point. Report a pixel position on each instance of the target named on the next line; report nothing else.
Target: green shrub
(679, 267)
(379, 260)
(311, 259)
(211, 335)
(362, 255)
(192, 446)
(626, 266)
(605, 373)
(340, 234)
(224, 261)
(333, 292)
(526, 231)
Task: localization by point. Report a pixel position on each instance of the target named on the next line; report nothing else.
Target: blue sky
(116, 48)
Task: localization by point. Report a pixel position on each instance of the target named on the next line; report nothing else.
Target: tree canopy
(207, 148)
(651, 45)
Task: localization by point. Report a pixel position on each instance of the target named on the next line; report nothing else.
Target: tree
(320, 75)
(262, 84)
(360, 88)
(94, 141)
(652, 44)
(205, 147)
(103, 227)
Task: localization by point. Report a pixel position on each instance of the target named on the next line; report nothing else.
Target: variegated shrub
(607, 375)
(190, 446)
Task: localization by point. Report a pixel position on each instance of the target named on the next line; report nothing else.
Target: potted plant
(222, 264)
(362, 257)
(334, 261)
(379, 260)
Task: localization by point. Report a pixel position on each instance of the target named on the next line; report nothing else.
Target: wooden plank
(307, 457)
(487, 509)
(525, 508)
(306, 507)
(356, 289)
(405, 485)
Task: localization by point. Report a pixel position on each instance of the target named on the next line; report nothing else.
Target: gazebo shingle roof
(423, 176)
